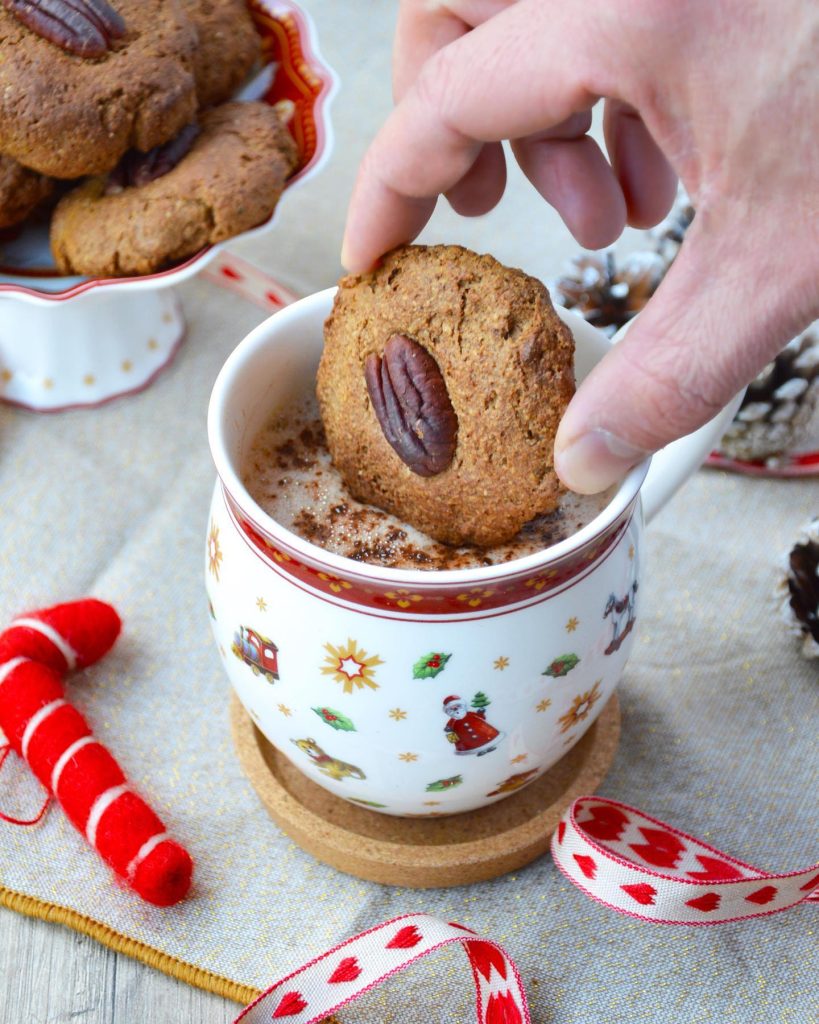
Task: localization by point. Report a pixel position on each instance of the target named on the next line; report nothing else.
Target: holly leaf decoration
(441, 784)
(562, 666)
(429, 665)
(335, 719)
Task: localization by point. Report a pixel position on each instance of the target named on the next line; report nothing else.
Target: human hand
(724, 94)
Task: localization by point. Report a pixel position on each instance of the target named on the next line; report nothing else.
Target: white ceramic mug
(408, 691)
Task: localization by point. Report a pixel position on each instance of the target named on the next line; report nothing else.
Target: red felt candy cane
(58, 745)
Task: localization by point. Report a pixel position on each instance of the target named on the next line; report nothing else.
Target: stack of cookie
(131, 98)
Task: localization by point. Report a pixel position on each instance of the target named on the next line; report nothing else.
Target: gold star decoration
(519, 759)
(285, 710)
(581, 706)
(432, 803)
(408, 757)
(89, 380)
(501, 664)
(350, 665)
(5, 376)
(261, 604)
(214, 551)
(572, 624)
(48, 383)
(153, 344)
(546, 703)
(398, 714)
(127, 366)
(631, 552)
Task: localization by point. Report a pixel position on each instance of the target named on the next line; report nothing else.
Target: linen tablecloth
(719, 710)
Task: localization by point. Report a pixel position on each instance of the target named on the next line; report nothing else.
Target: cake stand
(68, 342)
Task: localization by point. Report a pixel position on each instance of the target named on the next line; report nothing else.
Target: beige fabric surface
(719, 710)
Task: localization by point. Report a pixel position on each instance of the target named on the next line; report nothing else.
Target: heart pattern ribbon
(340, 975)
(616, 854)
(640, 866)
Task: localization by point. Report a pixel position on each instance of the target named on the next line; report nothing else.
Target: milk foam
(289, 473)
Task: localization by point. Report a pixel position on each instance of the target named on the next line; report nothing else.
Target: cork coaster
(430, 852)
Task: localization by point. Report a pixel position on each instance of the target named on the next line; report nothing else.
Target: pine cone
(606, 295)
(668, 234)
(798, 590)
(778, 404)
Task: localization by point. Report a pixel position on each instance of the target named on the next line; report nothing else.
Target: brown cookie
(21, 191)
(229, 46)
(67, 115)
(229, 181)
(443, 379)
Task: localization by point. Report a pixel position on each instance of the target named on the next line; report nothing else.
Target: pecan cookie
(443, 378)
(21, 191)
(83, 81)
(228, 47)
(154, 211)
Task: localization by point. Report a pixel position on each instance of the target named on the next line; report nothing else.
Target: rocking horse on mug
(623, 616)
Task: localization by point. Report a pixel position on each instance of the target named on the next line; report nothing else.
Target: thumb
(721, 313)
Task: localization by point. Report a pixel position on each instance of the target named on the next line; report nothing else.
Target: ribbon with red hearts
(640, 866)
(609, 850)
(335, 978)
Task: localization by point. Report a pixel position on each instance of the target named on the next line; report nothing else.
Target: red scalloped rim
(788, 465)
(300, 77)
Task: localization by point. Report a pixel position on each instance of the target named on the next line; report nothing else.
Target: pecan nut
(136, 168)
(412, 405)
(87, 28)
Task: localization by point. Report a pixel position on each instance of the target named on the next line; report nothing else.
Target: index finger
(493, 83)
(426, 26)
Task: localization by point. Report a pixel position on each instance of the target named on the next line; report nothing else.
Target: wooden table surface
(50, 974)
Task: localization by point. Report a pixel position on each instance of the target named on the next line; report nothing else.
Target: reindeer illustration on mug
(623, 615)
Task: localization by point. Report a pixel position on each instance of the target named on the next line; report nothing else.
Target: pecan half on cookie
(443, 379)
(87, 28)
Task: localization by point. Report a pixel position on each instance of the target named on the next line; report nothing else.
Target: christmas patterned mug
(416, 692)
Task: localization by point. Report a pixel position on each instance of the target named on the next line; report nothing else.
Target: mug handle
(673, 465)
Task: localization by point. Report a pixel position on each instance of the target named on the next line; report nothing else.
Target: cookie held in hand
(227, 181)
(442, 382)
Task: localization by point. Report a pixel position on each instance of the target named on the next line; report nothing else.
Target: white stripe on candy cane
(65, 757)
(99, 807)
(59, 641)
(147, 847)
(37, 720)
(9, 667)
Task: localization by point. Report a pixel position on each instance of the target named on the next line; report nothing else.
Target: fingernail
(595, 461)
(345, 254)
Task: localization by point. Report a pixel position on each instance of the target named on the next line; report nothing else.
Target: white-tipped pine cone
(668, 235)
(798, 590)
(606, 291)
(778, 404)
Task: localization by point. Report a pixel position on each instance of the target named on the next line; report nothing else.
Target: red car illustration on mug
(257, 651)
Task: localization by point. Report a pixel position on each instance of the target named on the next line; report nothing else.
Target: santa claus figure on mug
(467, 728)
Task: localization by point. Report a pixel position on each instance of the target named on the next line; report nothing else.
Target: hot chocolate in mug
(409, 691)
